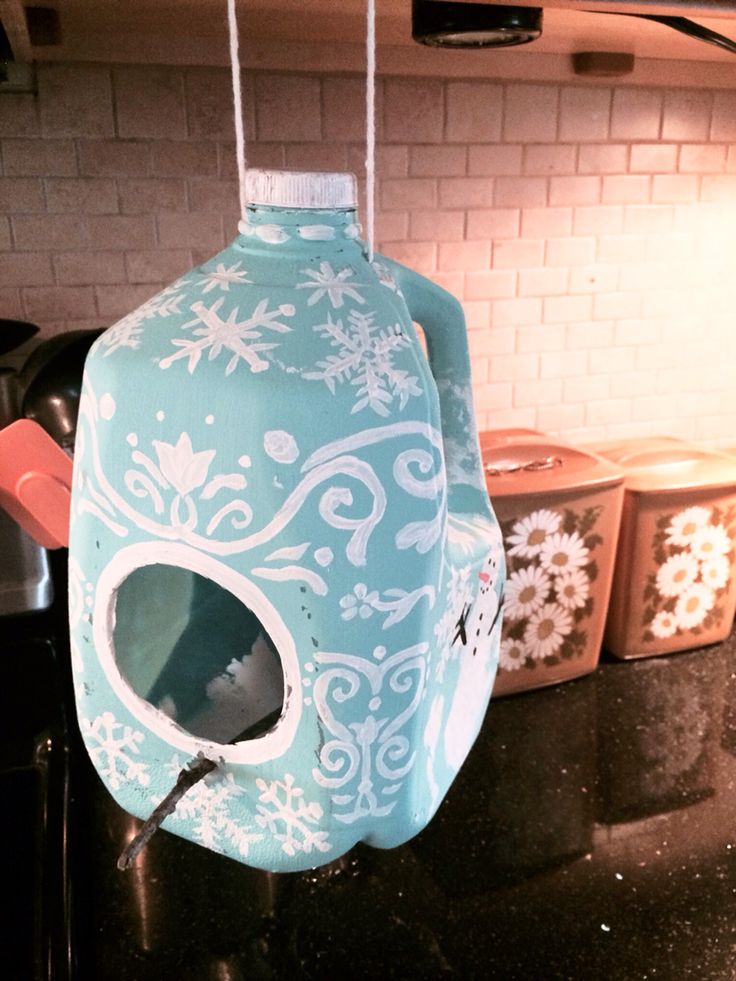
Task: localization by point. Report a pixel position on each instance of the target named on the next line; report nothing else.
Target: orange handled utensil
(35, 482)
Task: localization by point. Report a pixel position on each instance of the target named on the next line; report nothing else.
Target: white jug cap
(301, 189)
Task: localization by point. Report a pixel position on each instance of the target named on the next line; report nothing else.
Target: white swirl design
(368, 747)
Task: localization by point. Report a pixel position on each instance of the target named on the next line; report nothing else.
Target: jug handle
(442, 319)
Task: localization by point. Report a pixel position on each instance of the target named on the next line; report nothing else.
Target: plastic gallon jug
(282, 554)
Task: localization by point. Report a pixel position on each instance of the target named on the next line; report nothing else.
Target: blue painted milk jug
(282, 554)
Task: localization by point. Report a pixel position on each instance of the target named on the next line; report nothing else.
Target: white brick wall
(590, 231)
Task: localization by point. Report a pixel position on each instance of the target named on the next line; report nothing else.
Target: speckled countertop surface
(590, 835)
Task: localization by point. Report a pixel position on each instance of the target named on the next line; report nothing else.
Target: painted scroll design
(174, 493)
(370, 754)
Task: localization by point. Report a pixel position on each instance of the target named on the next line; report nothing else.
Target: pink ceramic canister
(559, 509)
(674, 586)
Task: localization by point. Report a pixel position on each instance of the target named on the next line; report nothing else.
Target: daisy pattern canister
(559, 511)
(674, 587)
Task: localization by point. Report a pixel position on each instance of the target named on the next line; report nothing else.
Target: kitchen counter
(590, 835)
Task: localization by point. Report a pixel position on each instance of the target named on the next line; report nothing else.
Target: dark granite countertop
(590, 835)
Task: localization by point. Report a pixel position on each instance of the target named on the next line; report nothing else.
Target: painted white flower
(677, 574)
(184, 469)
(572, 589)
(530, 533)
(562, 553)
(358, 603)
(716, 572)
(684, 525)
(512, 654)
(664, 625)
(222, 276)
(547, 629)
(280, 446)
(693, 605)
(525, 591)
(710, 541)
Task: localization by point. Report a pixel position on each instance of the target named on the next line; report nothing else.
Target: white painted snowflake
(231, 335)
(207, 805)
(446, 630)
(365, 358)
(288, 819)
(126, 332)
(112, 746)
(222, 276)
(334, 285)
(386, 277)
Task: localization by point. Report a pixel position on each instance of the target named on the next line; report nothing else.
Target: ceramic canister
(674, 587)
(282, 553)
(560, 510)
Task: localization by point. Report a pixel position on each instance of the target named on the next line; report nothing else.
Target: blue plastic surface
(277, 503)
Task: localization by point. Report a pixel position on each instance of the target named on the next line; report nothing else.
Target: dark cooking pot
(51, 383)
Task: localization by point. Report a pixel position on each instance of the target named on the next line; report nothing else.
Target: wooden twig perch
(194, 771)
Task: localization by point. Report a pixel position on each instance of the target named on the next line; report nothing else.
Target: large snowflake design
(326, 282)
(222, 277)
(113, 747)
(207, 804)
(365, 359)
(287, 816)
(233, 335)
(126, 332)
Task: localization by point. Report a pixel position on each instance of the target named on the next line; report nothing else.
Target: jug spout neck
(289, 207)
(278, 226)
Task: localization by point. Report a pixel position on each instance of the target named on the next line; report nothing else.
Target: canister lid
(659, 464)
(503, 437)
(617, 449)
(300, 189)
(532, 463)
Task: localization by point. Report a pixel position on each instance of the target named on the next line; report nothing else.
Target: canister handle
(533, 466)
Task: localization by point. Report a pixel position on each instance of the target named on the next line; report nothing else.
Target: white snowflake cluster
(113, 748)
(543, 594)
(287, 815)
(207, 805)
(697, 567)
(126, 332)
(335, 285)
(365, 359)
(238, 336)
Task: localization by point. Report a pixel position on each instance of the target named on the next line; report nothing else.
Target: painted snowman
(477, 637)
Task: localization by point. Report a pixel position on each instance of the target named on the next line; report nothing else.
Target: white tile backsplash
(590, 231)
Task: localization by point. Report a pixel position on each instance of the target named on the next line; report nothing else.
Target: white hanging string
(370, 126)
(232, 24)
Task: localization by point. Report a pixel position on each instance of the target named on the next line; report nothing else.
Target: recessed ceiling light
(473, 25)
